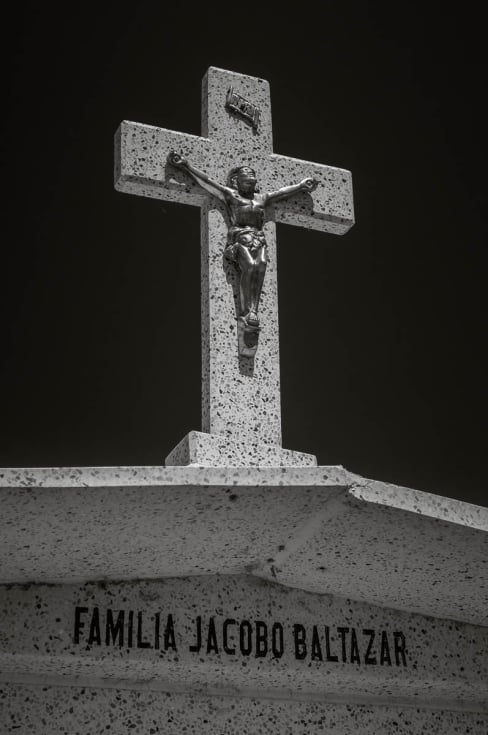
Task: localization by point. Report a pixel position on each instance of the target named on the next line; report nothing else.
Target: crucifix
(246, 242)
(220, 172)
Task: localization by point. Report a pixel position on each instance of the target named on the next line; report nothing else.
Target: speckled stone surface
(241, 396)
(319, 529)
(88, 711)
(212, 450)
(235, 634)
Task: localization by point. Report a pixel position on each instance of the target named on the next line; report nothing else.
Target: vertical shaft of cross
(241, 395)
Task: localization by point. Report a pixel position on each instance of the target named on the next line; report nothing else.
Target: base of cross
(216, 450)
(248, 337)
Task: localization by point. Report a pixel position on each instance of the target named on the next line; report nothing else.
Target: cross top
(220, 171)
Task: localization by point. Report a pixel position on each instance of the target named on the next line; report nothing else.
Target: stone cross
(241, 413)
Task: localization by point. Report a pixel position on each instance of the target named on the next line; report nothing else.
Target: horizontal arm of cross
(141, 168)
(141, 165)
(329, 207)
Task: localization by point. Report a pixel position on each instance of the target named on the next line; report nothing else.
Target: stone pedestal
(214, 450)
(232, 600)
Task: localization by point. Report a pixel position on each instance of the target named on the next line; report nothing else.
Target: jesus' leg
(258, 273)
(246, 267)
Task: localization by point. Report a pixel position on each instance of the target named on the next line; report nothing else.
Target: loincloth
(248, 237)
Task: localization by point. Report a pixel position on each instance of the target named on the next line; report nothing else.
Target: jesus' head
(243, 178)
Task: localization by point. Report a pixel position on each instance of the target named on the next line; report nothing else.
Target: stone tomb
(240, 589)
(297, 600)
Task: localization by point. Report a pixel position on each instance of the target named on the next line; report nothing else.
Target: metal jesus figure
(246, 243)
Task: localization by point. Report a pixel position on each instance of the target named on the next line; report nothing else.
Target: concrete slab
(320, 529)
(88, 711)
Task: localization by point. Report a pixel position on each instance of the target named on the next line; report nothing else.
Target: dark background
(382, 331)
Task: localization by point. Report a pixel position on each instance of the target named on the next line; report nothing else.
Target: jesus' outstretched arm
(307, 185)
(213, 187)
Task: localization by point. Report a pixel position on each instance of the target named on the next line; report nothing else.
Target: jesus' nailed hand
(246, 243)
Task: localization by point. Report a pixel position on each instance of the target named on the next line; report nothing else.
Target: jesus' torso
(244, 212)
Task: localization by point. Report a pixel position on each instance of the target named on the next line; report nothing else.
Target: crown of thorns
(233, 173)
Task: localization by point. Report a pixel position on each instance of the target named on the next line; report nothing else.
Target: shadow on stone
(248, 344)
